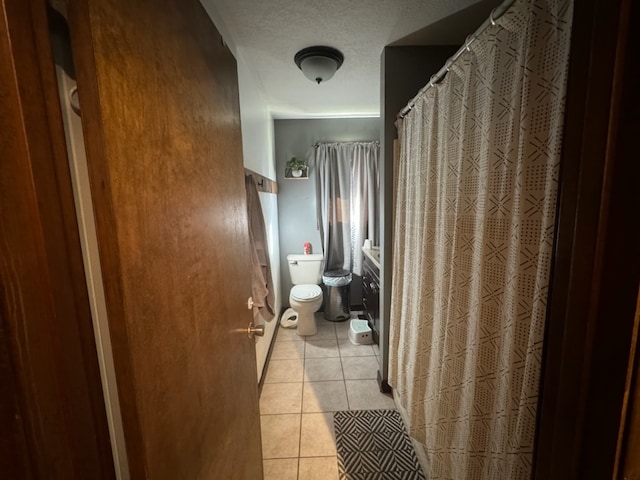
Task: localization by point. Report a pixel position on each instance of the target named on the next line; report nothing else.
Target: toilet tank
(305, 269)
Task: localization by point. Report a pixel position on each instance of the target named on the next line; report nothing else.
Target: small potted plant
(296, 167)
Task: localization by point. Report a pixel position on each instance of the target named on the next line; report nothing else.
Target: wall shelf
(288, 176)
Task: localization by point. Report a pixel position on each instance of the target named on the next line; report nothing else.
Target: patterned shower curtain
(474, 225)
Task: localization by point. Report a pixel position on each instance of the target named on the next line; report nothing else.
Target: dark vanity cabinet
(371, 295)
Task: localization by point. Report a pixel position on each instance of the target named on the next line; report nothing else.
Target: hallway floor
(306, 381)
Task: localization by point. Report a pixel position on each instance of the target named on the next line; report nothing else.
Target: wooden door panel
(160, 110)
(52, 419)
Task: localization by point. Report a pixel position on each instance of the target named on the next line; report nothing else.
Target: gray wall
(297, 198)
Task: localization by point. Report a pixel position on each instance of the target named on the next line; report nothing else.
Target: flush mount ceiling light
(319, 63)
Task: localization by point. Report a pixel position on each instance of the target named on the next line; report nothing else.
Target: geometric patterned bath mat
(374, 445)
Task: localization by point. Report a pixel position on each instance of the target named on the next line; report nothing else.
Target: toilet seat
(305, 293)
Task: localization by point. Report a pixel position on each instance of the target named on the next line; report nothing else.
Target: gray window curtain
(347, 190)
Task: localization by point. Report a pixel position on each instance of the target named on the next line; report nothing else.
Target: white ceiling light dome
(319, 63)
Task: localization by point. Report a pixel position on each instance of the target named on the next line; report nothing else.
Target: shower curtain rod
(496, 13)
(317, 144)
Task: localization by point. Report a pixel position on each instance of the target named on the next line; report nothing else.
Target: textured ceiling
(266, 34)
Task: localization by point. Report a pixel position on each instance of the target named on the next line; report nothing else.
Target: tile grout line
(344, 378)
(335, 328)
(304, 363)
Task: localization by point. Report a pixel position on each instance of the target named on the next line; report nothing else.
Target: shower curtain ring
(432, 81)
(493, 22)
(467, 42)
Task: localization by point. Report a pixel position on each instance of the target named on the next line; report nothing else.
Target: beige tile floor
(306, 381)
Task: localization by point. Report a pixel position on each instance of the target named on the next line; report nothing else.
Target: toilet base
(307, 324)
(306, 310)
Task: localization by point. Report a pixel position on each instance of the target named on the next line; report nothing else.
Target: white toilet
(306, 295)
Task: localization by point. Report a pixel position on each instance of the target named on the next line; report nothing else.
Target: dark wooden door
(52, 418)
(160, 112)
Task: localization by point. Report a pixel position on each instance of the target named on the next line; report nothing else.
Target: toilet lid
(306, 293)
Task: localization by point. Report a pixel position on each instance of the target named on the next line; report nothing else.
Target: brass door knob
(257, 330)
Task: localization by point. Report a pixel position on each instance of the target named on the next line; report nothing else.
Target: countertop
(374, 255)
